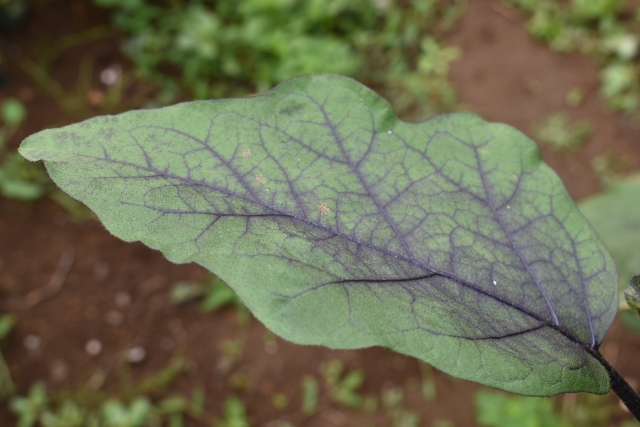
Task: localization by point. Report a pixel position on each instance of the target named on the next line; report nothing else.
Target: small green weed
(234, 414)
(611, 168)
(7, 323)
(280, 401)
(579, 25)
(574, 97)
(343, 389)
(231, 353)
(501, 410)
(18, 179)
(26, 181)
(214, 293)
(428, 383)
(82, 101)
(598, 28)
(498, 409)
(557, 132)
(131, 407)
(193, 49)
(393, 403)
(619, 85)
(630, 319)
(310, 391)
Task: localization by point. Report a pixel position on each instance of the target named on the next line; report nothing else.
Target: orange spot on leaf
(323, 209)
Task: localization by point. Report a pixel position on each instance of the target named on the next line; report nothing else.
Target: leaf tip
(28, 150)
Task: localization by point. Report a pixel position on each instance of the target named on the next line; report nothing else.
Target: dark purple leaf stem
(625, 392)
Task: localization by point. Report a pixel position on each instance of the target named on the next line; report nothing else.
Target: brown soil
(503, 75)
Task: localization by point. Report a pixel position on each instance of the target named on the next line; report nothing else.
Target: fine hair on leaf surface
(340, 225)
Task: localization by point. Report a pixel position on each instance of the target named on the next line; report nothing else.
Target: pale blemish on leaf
(246, 153)
(323, 209)
(260, 179)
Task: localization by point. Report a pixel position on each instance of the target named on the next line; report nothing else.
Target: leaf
(615, 215)
(631, 320)
(6, 385)
(234, 414)
(557, 132)
(12, 112)
(7, 322)
(498, 410)
(310, 389)
(338, 224)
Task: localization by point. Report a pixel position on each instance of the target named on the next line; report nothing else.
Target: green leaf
(6, 385)
(16, 188)
(28, 409)
(7, 323)
(196, 407)
(631, 320)
(235, 414)
(115, 413)
(310, 390)
(499, 410)
(139, 411)
(615, 216)
(173, 405)
(20, 179)
(338, 224)
(557, 132)
(595, 9)
(217, 295)
(12, 112)
(186, 291)
(632, 294)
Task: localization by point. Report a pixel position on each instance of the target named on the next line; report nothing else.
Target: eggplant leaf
(615, 215)
(338, 224)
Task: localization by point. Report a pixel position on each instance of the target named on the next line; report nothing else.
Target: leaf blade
(340, 225)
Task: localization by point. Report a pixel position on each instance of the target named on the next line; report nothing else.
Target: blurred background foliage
(604, 29)
(212, 49)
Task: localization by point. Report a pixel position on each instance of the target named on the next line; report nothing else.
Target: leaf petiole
(620, 386)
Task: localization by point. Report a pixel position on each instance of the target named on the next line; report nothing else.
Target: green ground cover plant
(392, 402)
(557, 132)
(206, 49)
(343, 387)
(619, 229)
(18, 179)
(213, 294)
(338, 224)
(7, 322)
(25, 181)
(602, 29)
(497, 409)
(500, 410)
(234, 414)
(92, 406)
